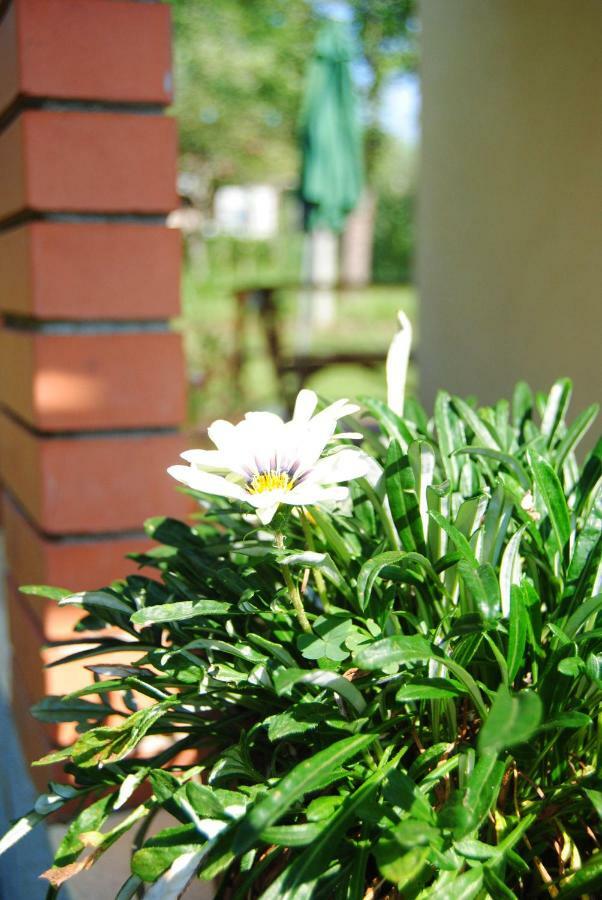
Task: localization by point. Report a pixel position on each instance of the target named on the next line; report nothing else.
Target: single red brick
(64, 270)
(90, 485)
(78, 565)
(88, 162)
(89, 50)
(93, 381)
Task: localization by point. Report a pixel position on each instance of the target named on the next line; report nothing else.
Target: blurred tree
(239, 72)
(388, 33)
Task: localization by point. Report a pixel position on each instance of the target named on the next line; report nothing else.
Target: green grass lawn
(365, 320)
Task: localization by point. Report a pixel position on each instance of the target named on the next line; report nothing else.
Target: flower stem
(293, 590)
(318, 577)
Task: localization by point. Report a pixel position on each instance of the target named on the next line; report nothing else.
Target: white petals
(266, 514)
(207, 459)
(307, 495)
(207, 483)
(222, 433)
(343, 465)
(305, 405)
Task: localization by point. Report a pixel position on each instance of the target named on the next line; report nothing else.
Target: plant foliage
(435, 735)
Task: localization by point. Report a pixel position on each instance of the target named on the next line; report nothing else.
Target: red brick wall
(91, 379)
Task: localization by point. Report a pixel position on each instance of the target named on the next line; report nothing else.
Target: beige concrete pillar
(510, 230)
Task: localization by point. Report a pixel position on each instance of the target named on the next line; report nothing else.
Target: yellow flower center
(270, 481)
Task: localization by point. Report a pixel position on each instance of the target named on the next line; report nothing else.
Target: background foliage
(436, 735)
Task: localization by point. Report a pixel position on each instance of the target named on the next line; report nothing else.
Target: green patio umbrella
(331, 175)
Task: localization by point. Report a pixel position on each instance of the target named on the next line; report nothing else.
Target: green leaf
(482, 586)
(396, 650)
(160, 851)
(57, 709)
(429, 689)
(371, 570)
(574, 434)
(104, 745)
(297, 719)
(588, 546)
(96, 601)
(292, 835)
(483, 432)
(571, 719)
(44, 590)
(406, 869)
(512, 720)
(284, 680)
(450, 437)
(522, 404)
(553, 497)
(582, 614)
(517, 632)
(456, 536)
(510, 573)
(302, 779)
(392, 424)
(403, 500)
(555, 409)
(423, 461)
(464, 887)
(178, 612)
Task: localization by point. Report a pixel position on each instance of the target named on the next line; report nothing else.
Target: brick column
(91, 379)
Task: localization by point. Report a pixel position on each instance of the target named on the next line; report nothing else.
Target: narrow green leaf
(392, 651)
(96, 601)
(512, 720)
(483, 432)
(284, 680)
(517, 632)
(371, 570)
(178, 612)
(44, 590)
(464, 887)
(582, 614)
(447, 434)
(510, 572)
(403, 500)
(574, 434)
(466, 810)
(456, 536)
(553, 497)
(588, 546)
(423, 461)
(555, 409)
(428, 689)
(482, 586)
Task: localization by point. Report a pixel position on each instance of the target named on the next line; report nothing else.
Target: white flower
(264, 461)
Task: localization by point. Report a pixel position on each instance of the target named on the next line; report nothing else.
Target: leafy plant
(436, 732)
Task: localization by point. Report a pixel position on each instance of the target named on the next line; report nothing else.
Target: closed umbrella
(331, 172)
